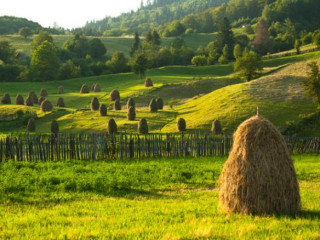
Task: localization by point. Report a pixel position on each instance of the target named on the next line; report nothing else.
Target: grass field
(165, 199)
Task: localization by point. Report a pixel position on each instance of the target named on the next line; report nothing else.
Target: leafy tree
(69, 70)
(139, 65)
(248, 65)
(79, 46)
(223, 59)
(40, 38)
(96, 48)
(237, 51)
(118, 63)
(199, 60)
(7, 52)
(316, 39)
(136, 45)
(25, 32)
(225, 37)
(156, 39)
(45, 62)
(262, 39)
(297, 45)
(149, 37)
(312, 84)
(176, 28)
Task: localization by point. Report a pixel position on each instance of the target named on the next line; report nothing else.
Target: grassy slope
(167, 199)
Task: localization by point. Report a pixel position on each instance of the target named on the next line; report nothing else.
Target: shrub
(181, 124)
(216, 127)
(19, 100)
(103, 110)
(112, 127)
(131, 115)
(31, 126)
(94, 105)
(34, 97)
(60, 102)
(43, 92)
(153, 106)
(46, 106)
(84, 89)
(28, 101)
(143, 126)
(131, 103)
(148, 82)
(54, 127)
(159, 103)
(26, 116)
(97, 88)
(114, 95)
(199, 60)
(117, 105)
(6, 99)
(41, 99)
(60, 90)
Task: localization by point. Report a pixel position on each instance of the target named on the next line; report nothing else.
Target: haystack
(148, 83)
(31, 126)
(117, 105)
(103, 110)
(112, 127)
(54, 127)
(131, 103)
(131, 115)
(60, 102)
(143, 126)
(34, 97)
(28, 101)
(114, 95)
(41, 99)
(60, 90)
(46, 106)
(94, 105)
(259, 176)
(153, 106)
(216, 127)
(84, 89)
(19, 99)
(181, 125)
(97, 88)
(6, 99)
(159, 103)
(43, 92)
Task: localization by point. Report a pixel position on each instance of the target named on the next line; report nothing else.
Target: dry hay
(34, 97)
(216, 127)
(94, 105)
(181, 125)
(259, 176)
(54, 127)
(114, 95)
(103, 110)
(28, 101)
(117, 105)
(97, 88)
(41, 99)
(143, 126)
(148, 83)
(19, 99)
(60, 90)
(131, 115)
(153, 106)
(84, 89)
(131, 103)
(43, 92)
(159, 103)
(6, 99)
(60, 102)
(46, 106)
(112, 127)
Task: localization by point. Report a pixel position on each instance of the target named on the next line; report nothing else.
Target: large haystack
(131, 115)
(19, 99)
(131, 103)
(84, 89)
(117, 105)
(112, 127)
(43, 92)
(34, 97)
(143, 126)
(97, 88)
(114, 95)
(103, 110)
(148, 82)
(46, 106)
(6, 99)
(60, 102)
(94, 105)
(28, 101)
(259, 176)
(41, 99)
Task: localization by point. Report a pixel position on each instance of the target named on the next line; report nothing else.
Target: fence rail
(102, 146)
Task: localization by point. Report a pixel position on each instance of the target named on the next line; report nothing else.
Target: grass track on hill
(149, 199)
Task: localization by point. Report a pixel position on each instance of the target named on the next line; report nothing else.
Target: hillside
(11, 25)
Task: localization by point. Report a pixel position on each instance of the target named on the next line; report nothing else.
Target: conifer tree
(136, 45)
(225, 37)
(261, 41)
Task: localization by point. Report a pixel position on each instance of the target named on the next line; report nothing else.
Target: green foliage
(139, 65)
(225, 37)
(223, 59)
(297, 45)
(45, 62)
(96, 48)
(181, 54)
(69, 70)
(31, 126)
(79, 46)
(316, 39)
(136, 44)
(12, 25)
(200, 60)
(237, 51)
(25, 32)
(7, 52)
(174, 29)
(118, 63)
(248, 65)
(312, 84)
(40, 38)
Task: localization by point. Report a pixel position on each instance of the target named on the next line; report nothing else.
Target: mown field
(150, 199)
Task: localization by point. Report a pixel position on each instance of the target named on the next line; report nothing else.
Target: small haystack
(216, 127)
(114, 95)
(28, 101)
(43, 92)
(84, 89)
(112, 127)
(60, 90)
(97, 88)
(34, 97)
(159, 103)
(153, 106)
(143, 126)
(31, 126)
(117, 105)
(131, 103)
(181, 125)
(6, 99)
(259, 176)
(103, 110)
(94, 105)
(46, 106)
(60, 102)
(148, 82)
(41, 99)
(19, 99)
(131, 115)
(54, 127)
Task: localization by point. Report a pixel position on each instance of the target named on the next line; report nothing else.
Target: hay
(114, 95)
(103, 110)
(46, 106)
(148, 83)
(60, 90)
(41, 99)
(28, 101)
(112, 127)
(259, 176)
(34, 97)
(19, 100)
(60, 102)
(159, 103)
(94, 105)
(181, 125)
(131, 115)
(54, 127)
(84, 89)
(97, 88)
(44, 92)
(131, 103)
(143, 126)
(6, 99)
(216, 127)
(117, 105)
(153, 106)
(31, 126)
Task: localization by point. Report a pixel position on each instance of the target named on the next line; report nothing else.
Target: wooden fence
(102, 146)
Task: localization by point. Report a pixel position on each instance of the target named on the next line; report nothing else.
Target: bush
(60, 102)
(148, 83)
(159, 103)
(19, 100)
(181, 124)
(46, 106)
(60, 90)
(216, 127)
(143, 126)
(31, 126)
(41, 99)
(94, 105)
(97, 88)
(84, 89)
(112, 127)
(54, 127)
(131, 115)
(200, 60)
(28, 101)
(153, 106)
(114, 95)
(117, 105)
(103, 110)
(131, 103)
(43, 92)
(6, 99)
(34, 97)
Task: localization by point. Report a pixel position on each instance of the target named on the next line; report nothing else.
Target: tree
(118, 63)
(136, 44)
(45, 62)
(7, 52)
(312, 84)
(249, 65)
(237, 51)
(139, 65)
(261, 41)
(225, 37)
(96, 48)
(199, 60)
(156, 39)
(223, 59)
(297, 45)
(40, 38)
(316, 39)
(25, 32)
(69, 70)
(79, 46)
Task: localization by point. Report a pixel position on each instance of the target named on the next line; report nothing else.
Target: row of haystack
(31, 126)
(142, 128)
(86, 89)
